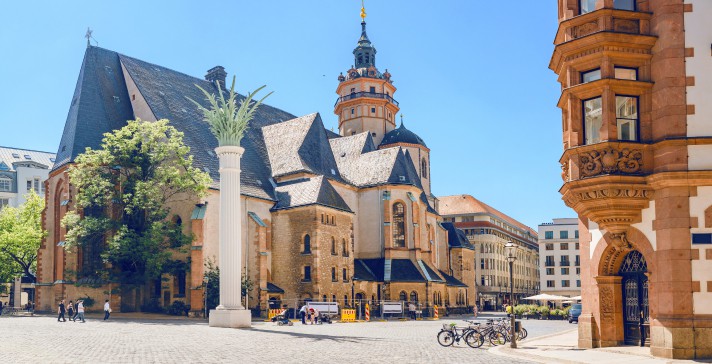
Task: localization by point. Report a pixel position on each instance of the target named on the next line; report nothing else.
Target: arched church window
(424, 168)
(414, 297)
(403, 296)
(333, 246)
(398, 225)
(307, 244)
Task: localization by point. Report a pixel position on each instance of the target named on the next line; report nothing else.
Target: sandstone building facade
(637, 168)
(327, 217)
(488, 230)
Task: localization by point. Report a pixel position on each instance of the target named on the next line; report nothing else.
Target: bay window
(625, 73)
(627, 117)
(593, 120)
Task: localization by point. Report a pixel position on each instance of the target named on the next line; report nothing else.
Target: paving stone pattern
(123, 340)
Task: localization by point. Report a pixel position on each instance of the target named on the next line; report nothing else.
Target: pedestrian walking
(61, 311)
(411, 308)
(76, 311)
(303, 314)
(80, 310)
(107, 310)
(70, 310)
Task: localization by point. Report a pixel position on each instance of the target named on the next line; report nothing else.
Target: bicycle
(10, 311)
(451, 334)
(492, 332)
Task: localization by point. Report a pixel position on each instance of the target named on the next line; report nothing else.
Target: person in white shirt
(80, 310)
(107, 310)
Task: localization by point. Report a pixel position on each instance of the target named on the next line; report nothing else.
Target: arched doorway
(635, 295)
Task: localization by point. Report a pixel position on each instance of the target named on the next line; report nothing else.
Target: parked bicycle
(451, 334)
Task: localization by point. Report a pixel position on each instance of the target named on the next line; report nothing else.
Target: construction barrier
(435, 312)
(368, 312)
(348, 315)
(273, 312)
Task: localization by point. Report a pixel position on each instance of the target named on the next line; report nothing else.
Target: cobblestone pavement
(123, 340)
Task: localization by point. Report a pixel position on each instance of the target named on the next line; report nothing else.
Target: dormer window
(27, 156)
(15, 155)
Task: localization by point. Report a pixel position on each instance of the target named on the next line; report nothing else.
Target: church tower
(365, 100)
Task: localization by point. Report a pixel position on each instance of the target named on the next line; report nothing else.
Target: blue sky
(472, 76)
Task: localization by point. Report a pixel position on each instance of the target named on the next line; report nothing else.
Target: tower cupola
(365, 52)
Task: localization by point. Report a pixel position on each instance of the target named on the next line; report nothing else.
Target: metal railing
(375, 95)
(565, 263)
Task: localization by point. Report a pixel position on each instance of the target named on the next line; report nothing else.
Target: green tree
(20, 237)
(124, 191)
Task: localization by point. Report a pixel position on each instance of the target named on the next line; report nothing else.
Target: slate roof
(276, 144)
(388, 270)
(457, 238)
(401, 135)
(361, 164)
(430, 274)
(452, 281)
(7, 156)
(308, 191)
(273, 288)
(300, 145)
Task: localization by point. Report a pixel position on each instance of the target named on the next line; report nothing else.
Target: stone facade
(636, 168)
(323, 216)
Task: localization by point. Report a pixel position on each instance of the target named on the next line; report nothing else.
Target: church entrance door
(635, 295)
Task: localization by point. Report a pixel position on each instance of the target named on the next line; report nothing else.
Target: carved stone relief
(610, 160)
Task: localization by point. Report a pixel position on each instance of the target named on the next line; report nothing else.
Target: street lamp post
(511, 250)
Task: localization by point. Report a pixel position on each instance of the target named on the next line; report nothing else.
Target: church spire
(364, 53)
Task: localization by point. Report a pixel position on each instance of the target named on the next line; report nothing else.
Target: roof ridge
(26, 150)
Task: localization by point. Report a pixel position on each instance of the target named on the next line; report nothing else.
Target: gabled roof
(300, 145)
(363, 165)
(100, 104)
(308, 191)
(466, 204)
(457, 238)
(11, 157)
(273, 288)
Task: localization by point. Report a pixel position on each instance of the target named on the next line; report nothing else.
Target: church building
(327, 217)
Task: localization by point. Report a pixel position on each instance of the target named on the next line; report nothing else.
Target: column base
(230, 318)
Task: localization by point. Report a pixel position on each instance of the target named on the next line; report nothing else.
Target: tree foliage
(20, 237)
(122, 201)
(227, 121)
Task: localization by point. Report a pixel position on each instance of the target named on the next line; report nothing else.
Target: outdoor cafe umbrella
(547, 297)
(577, 298)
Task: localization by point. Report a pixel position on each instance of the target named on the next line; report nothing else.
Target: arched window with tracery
(414, 297)
(399, 225)
(403, 296)
(424, 168)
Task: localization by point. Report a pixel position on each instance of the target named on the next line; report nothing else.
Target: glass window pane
(626, 73)
(587, 6)
(624, 4)
(627, 117)
(592, 75)
(593, 120)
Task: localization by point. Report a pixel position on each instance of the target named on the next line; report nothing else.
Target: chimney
(218, 74)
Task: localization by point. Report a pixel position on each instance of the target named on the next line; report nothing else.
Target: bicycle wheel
(446, 338)
(474, 339)
(522, 334)
(497, 338)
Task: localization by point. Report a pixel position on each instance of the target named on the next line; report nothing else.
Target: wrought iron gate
(635, 295)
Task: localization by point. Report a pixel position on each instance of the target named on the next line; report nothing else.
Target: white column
(230, 312)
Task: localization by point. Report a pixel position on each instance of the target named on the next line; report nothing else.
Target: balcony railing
(565, 263)
(375, 95)
(578, 263)
(549, 264)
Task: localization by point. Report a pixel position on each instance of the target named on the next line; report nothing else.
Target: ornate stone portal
(230, 312)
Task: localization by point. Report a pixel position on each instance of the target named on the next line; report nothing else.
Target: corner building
(328, 217)
(637, 168)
